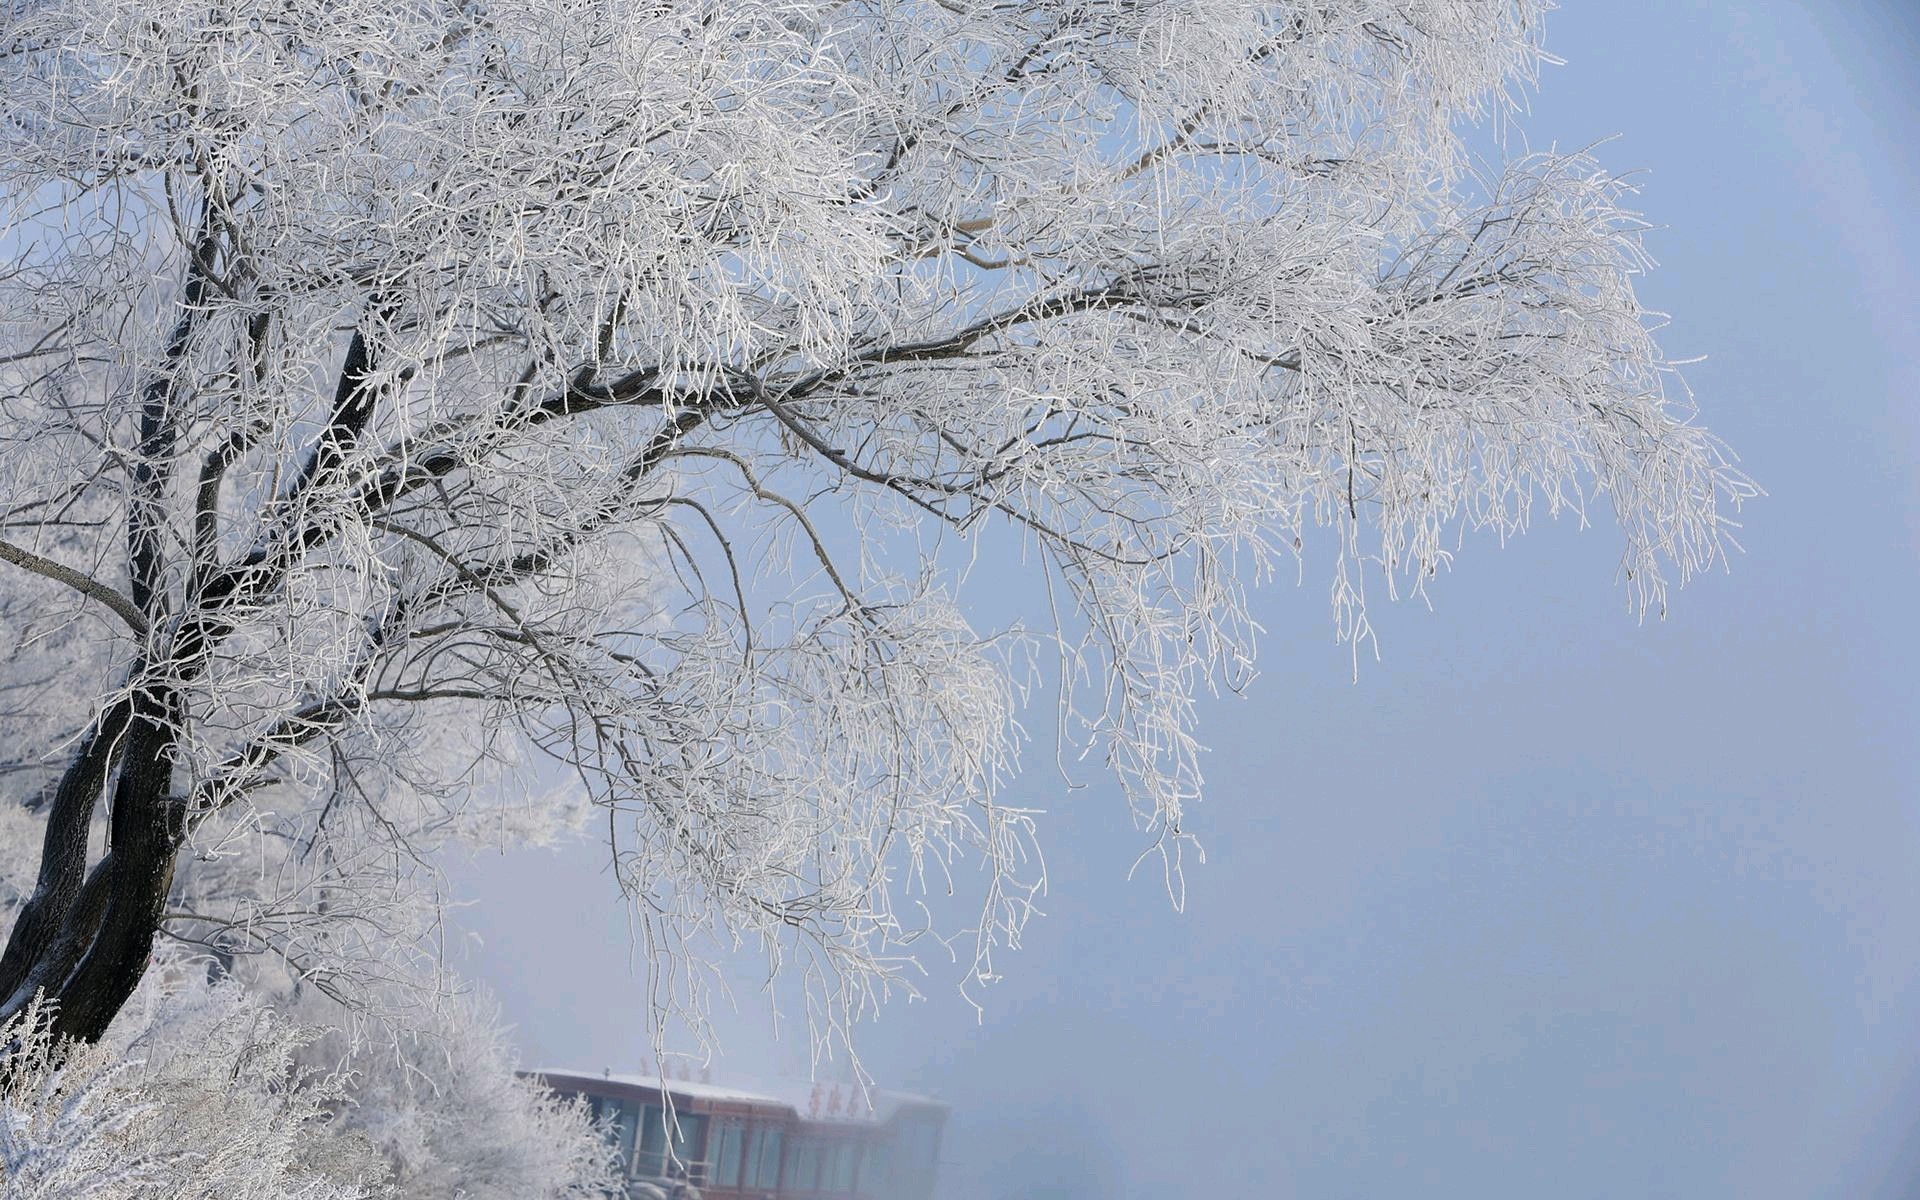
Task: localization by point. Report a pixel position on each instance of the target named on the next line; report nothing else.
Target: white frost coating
(217, 1109)
(247, 1091)
(599, 382)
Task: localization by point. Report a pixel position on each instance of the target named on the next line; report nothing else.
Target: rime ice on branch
(397, 395)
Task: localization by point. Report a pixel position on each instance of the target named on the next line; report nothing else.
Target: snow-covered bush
(231, 1090)
(203, 1100)
(442, 1104)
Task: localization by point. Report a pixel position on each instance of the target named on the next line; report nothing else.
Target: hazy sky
(1548, 903)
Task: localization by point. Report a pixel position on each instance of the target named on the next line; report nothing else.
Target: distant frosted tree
(398, 394)
(441, 1106)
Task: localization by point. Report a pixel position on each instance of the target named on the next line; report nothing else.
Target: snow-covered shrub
(441, 1102)
(225, 1089)
(204, 1100)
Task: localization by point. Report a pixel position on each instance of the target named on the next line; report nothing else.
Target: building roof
(679, 1087)
(841, 1103)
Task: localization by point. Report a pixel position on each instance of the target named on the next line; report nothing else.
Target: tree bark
(84, 938)
(44, 919)
(145, 831)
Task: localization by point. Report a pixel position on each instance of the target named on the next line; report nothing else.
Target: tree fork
(91, 941)
(63, 856)
(145, 833)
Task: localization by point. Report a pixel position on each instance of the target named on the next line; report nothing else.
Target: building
(809, 1141)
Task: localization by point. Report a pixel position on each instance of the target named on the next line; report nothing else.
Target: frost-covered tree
(399, 394)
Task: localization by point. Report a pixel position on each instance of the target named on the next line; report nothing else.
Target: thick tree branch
(355, 394)
(86, 585)
(159, 430)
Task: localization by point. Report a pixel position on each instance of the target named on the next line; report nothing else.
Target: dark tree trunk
(84, 939)
(44, 919)
(145, 832)
(86, 936)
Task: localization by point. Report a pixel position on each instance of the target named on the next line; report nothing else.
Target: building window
(877, 1174)
(728, 1139)
(803, 1166)
(837, 1163)
(762, 1167)
(655, 1161)
(621, 1117)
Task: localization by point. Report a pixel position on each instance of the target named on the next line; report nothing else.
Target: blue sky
(1547, 902)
